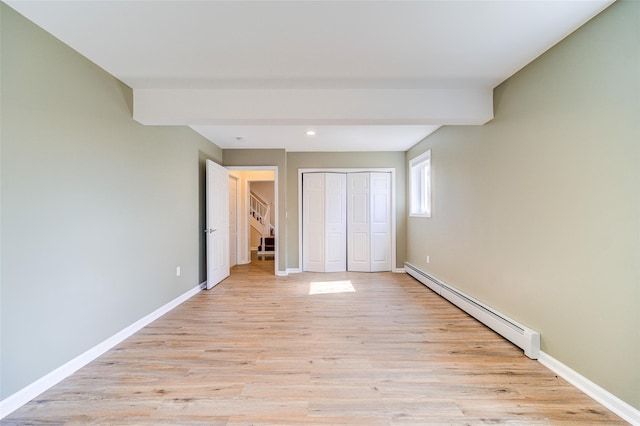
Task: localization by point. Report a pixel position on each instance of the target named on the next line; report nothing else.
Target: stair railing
(260, 211)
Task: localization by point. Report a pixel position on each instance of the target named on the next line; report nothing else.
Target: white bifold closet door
(369, 222)
(324, 222)
(346, 222)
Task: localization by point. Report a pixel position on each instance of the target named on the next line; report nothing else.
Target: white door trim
(237, 209)
(350, 170)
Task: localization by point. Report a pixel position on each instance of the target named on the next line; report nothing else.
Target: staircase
(260, 220)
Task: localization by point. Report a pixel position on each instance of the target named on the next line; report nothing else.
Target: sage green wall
(305, 160)
(97, 210)
(267, 157)
(537, 213)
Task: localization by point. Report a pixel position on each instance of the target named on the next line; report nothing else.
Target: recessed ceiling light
(311, 132)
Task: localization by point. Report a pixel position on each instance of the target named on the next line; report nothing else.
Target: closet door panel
(379, 252)
(358, 211)
(313, 222)
(380, 222)
(359, 252)
(336, 222)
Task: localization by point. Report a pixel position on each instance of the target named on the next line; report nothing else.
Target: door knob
(210, 230)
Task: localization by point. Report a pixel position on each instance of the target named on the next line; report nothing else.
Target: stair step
(267, 244)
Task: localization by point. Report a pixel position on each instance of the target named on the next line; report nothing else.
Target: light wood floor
(258, 349)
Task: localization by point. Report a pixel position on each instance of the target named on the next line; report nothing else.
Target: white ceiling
(336, 138)
(366, 75)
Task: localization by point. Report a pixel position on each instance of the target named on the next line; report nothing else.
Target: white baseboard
(298, 271)
(29, 392)
(288, 271)
(604, 397)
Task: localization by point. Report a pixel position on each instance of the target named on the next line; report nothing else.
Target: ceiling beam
(313, 106)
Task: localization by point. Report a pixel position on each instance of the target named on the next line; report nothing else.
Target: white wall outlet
(177, 271)
(427, 259)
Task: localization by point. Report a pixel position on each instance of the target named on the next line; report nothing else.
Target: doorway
(257, 212)
(262, 218)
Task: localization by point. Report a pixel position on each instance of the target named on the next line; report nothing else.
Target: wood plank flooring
(260, 350)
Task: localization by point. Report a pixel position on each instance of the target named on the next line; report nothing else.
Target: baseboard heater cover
(511, 330)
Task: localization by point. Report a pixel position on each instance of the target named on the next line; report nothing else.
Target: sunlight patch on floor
(331, 287)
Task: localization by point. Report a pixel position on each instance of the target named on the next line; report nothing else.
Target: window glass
(420, 185)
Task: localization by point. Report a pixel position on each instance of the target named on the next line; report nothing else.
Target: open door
(217, 223)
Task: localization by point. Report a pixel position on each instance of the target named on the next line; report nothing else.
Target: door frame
(351, 170)
(237, 215)
(244, 215)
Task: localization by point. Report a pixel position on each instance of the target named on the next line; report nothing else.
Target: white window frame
(420, 185)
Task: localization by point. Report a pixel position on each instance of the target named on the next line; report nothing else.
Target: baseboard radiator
(511, 330)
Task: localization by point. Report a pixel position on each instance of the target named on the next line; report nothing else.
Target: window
(420, 185)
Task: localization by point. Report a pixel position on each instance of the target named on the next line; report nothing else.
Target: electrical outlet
(177, 271)
(427, 259)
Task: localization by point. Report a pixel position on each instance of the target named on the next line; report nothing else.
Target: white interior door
(233, 221)
(380, 202)
(335, 222)
(217, 223)
(358, 225)
(313, 210)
